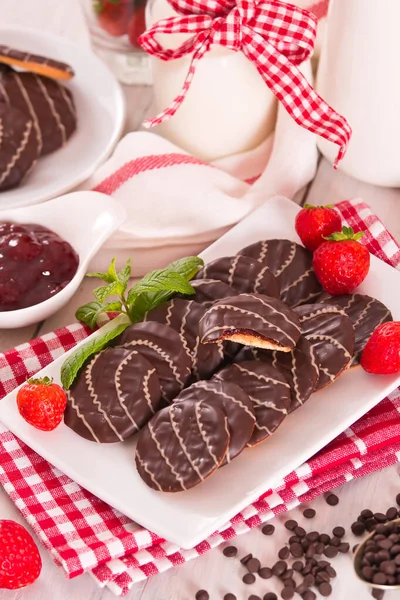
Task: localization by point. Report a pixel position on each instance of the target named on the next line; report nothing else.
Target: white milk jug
(359, 76)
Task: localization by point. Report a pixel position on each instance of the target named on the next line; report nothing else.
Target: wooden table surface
(212, 571)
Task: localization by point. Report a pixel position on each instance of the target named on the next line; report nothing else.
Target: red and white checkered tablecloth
(85, 534)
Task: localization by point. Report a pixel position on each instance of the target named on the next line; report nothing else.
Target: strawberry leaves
(347, 233)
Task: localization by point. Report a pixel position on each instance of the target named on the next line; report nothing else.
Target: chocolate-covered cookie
(209, 290)
(182, 445)
(268, 390)
(35, 63)
(251, 320)
(164, 349)
(19, 148)
(115, 394)
(366, 314)
(331, 333)
(242, 273)
(300, 367)
(292, 266)
(236, 405)
(46, 102)
(184, 316)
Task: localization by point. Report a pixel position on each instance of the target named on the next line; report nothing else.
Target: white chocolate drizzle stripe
(68, 101)
(164, 456)
(53, 110)
(297, 281)
(275, 311)
(289, 261)
(206, 385)
(327, 338)
(160, 352)
(31, 108)
(204, 435)
(182, 444)
(364, 312)
(147, 470)
(323, 311)
(81, 417)
(18, 153)
(232, 269)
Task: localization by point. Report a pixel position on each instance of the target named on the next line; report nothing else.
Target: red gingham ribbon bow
(275, 36)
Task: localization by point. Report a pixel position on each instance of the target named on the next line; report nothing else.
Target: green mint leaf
(88, 313)
(187, 267)
(160, 281)
(112, 307)
(124, 275)
(76, 360)
(146, 302)
(104, 276)
(111, 271)
(102, 292)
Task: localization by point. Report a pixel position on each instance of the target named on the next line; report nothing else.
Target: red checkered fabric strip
(277, 37)
(85, 534)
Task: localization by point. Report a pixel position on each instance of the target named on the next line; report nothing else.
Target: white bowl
(85, 220)
(100, 107)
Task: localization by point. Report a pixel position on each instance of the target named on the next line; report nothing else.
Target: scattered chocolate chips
(202, 595)
(265, 573)
(300, 532)
(332, 499)
(331, 551)
(288, 574)
(279, 568)
(298, 566)
(358, 528)
(296, 550)
(309, 580)
(380, 517)
(325, 589)
(268, 529)
(309, 595)
(309, 513)
(366, 514)
(248, 578)
(246, 558)
(344, 547)
(254, 597)
(287, 593)
(377, 594)
(398, 499)
(324, 538)
(291, 524)
(270, 596)
(392, 513)
(230, 551)
(230, 597)
(284, 552)
(338, 532)
(253, 565)
(313, 536)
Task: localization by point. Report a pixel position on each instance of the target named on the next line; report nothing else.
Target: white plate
(186, 518)
(100, 109)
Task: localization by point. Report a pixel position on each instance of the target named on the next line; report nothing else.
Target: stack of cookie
(37, 113)
(206, 377)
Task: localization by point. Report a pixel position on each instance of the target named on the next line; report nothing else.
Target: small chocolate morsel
(385, 544)
(380, 517)
(265, 573)
(310, 551)
(279, 568)
(398, 499)
(309, 513)
(378, 594)
(305, 543)
(268, 529)
(324, 538)
(309, 580)
(230, 597)
(379, 578)
(294, 539)
(392, 513)
(323, 564)
(300, 532)
(344, 547)
(307, 569)
(298, 565)
(331, 551)
(291, 524)
(325, 589)
(332, 499)
(335, 541)
(388, 567)
(338, 532)
(290, 582)
(370, 524)
(397, 560)
(287, 593)
(249, 578)
(253, 565)
(284, 552)
(319, 548)
(323, 576)
(202, 595)
(313, 536)
(229, 551)
(246, 558)
(287, 575)
(331, 571)
(358, 528)
(270, 596)
(309, 595)
(366, 514)
(296, 550)
(395, 549)
(254, 597)
(367, 573)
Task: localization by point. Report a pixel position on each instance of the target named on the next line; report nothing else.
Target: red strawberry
(313, 223)
(381, 354)
(20, 562)
(136, 26)
(341, 263)
(42, 403)
(114, 18)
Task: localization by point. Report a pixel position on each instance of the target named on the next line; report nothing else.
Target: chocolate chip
(370, 524)
(300, 532)
(335, 541)
(290, 583)
(306, 570)
(358, 528)
(332, 499)
(378, 594)
(310, 551)
(323, 576)
(297, 565)
(287, 593)
(309, 595)
(230, 551)
(331, 571)
(253, 565)
(246, 558)
(355, 548)
(287, 575)
(294, 539)
(265, 573)
(380, 517)
(379, 578)
(319, 548)
(366, 513)
(395, 549)
(296, 550)
(324, 538)
(270, 596)
(388, 567)
(254, 597)
(301, 589)
(279, 568)
(268, 529)
(291, 524)
(312, 536)
(325, 589)
(398, 499)
(397, 560)
(331, 551)
(230, 597)
(338, 532)
(202, 595)
(309, 580)
(385, 544)
(344, 547)
(323, 564)
(392, 513)
(284, 552)
(367, 573)
(248, 578)
(309, 513)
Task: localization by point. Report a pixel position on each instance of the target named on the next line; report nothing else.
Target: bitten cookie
(164, 349)
(115, 394)
(242, 273)
(19, 149)
(300, 367)
(366, 314)
(251, 320)
(184, 316)
(331, 333)
(209, 290)
(268, 390)
(292, 266)
(35, 63)
(236, 405)
(182, 445)
(46, 102)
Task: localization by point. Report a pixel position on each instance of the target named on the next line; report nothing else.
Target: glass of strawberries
(115, 26)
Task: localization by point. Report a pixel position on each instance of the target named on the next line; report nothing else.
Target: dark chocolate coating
(366, 314)
(19, 148)
(292, 266)
(12, 56)
(164, 349)
(184, 316)
(300, 367)
(236, 405)
(115, 394)
(49, 104)
(182, 445)
(331, 333)
(268, 390)
(242, 273)
(254, 316)
(210, 290)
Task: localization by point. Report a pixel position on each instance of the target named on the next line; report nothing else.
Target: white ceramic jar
(228, 108)
(359, 76)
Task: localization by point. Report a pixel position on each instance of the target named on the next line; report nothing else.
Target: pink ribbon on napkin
(277, 37)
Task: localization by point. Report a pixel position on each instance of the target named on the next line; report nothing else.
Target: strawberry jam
(35, 264)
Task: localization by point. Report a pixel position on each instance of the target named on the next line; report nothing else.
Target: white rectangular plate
(186, 518)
